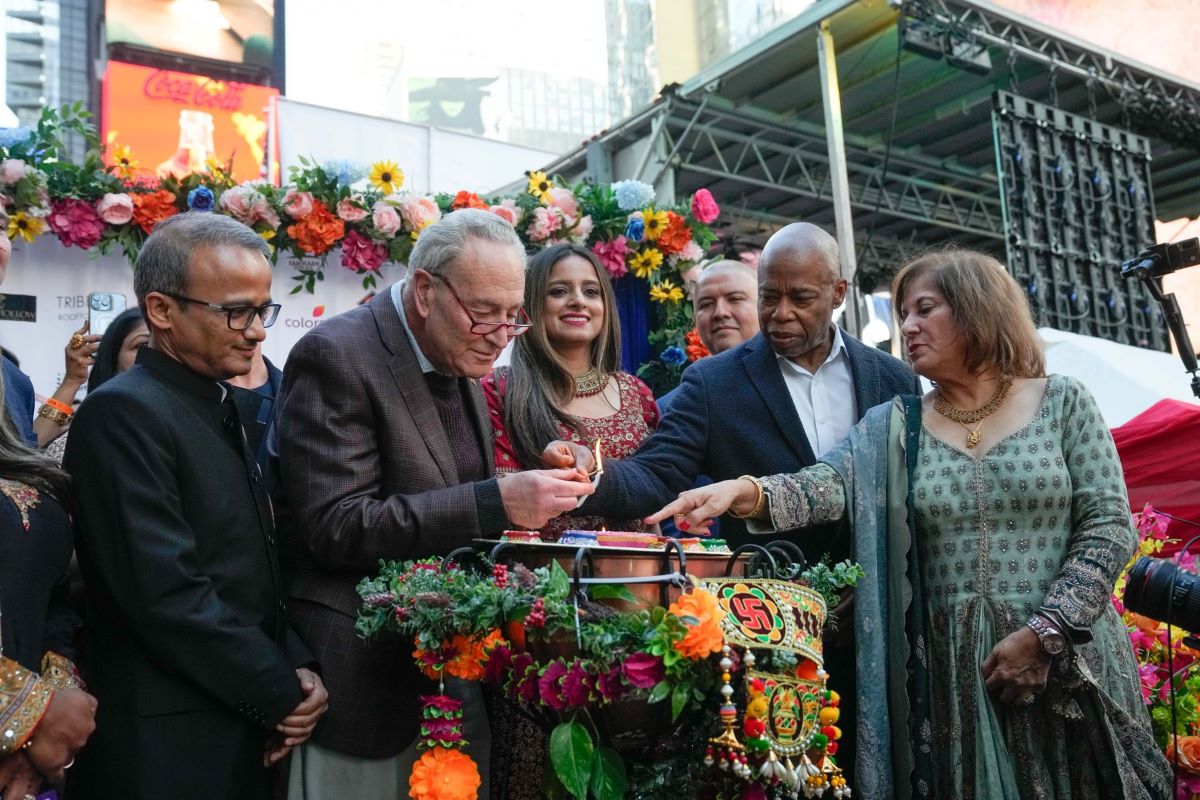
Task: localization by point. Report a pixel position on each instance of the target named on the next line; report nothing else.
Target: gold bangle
(54, 415)
(760, 499)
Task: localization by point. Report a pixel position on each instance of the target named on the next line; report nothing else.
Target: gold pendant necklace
(968, 418)
(589, 383)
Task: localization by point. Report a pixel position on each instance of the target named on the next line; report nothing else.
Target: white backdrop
(61, 278)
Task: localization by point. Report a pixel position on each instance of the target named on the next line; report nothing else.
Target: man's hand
(18, 778)
(65, 727)
(532, 498)
(560, 454)
(297, 727)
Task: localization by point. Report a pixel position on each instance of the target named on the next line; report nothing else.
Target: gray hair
(162, 266)
(443, 242)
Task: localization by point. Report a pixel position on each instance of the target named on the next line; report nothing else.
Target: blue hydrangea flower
(11, 137)
(200, 199)
(346, 171)
(632, 195)
(635, 230)
(674, 356)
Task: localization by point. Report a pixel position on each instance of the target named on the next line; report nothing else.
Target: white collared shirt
(825, 399)
(424, 363)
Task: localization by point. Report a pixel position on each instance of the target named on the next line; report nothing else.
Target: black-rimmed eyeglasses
(483, 328)
(240, 318)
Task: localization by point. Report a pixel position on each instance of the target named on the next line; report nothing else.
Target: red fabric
(1160, 452)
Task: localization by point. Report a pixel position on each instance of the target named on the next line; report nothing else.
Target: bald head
(803, 241)
(799, 285)
(725, 302)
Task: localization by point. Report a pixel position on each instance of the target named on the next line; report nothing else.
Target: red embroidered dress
(622, 433)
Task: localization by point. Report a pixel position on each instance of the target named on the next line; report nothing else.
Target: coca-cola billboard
(173, 122)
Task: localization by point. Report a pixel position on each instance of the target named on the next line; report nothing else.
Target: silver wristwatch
(1052, 639)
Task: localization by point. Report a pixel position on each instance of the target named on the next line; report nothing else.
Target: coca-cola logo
(193, 91)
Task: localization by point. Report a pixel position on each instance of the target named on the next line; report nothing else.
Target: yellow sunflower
(21, 225)
(539, 185)
(656, 223)
(267, 236)
(386, 176)
(666, 291)
(123, 161)
(646, 262)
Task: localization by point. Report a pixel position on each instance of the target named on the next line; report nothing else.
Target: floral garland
(510, 626)
(109, 202)
(1156, 653)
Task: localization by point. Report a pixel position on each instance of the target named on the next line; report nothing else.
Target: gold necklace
(967, 418)
(590, 383)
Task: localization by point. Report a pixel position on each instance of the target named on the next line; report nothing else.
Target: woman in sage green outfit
(992, 521)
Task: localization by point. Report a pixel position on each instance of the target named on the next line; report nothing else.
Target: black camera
(1164, 591)
(1162, 259)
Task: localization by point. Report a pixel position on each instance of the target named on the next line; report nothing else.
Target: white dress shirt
(824, 399)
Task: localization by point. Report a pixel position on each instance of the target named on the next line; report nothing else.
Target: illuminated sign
(236, 31)
(173, 122)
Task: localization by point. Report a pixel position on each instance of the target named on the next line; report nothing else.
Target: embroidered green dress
(969, 545)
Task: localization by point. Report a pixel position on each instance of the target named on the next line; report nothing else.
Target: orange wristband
(58, 405)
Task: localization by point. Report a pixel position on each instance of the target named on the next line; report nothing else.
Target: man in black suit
(200, 682)
(773, 404)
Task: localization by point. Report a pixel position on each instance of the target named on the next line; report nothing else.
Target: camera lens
(1161, 590)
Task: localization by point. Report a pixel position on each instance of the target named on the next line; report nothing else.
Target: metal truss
(1153, 103)
(735, 146)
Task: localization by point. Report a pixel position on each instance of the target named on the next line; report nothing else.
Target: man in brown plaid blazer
(386, 453)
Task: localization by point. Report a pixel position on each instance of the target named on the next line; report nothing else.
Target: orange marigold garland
(703, 614)
(443, 772)
(151, 208)
(319, 231)
(694, 347)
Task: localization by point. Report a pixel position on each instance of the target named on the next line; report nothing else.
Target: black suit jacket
(190, 656)
(733, 416)
(370, 474)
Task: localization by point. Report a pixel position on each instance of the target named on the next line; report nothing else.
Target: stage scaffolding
(914, 85)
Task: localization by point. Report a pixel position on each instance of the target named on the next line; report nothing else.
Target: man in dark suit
(200, 682)
(773, 404)
(386, 453)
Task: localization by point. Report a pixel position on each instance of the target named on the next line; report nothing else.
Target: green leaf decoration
(560, 582)
(571, 753)
(659, 692)
(608, 775)
(679, 699)
(607, 592)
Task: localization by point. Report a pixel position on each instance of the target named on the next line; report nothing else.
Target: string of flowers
(522, 632)
(110, 203)
(1157, 652)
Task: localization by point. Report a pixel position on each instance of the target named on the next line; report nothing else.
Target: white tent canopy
(1125, 380)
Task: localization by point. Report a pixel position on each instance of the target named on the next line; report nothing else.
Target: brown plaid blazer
(368, 474)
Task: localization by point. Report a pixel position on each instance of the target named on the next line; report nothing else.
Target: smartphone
(103, 308)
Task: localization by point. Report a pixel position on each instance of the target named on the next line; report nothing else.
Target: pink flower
(385, 218)
(248, 206)
(643, 670)
(550, 685)
(507, 211)
(564, 200)
(115, 209)
(582, 230)
(350, 211)
(611, 685)
(523, 680)
(361, 254)
(612, 255)
(443, 703)
(578, 686)
(498, 663)
(419, 211)
(704, 207)
(76, 223)
(12, 170)
(690, 252)
(298, 205)
(545, 222)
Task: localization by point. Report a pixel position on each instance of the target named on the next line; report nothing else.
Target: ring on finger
(76, 341)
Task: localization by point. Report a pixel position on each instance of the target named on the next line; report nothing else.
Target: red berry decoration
(500, 573)
(537, 614)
